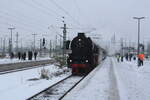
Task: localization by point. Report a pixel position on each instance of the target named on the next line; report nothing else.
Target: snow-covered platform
(114, 80)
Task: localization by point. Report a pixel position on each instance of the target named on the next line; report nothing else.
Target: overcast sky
(107, 16)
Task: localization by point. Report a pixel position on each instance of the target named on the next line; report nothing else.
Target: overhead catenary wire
(41, 6)
(66, 12)
(29, 17)
(81, 13)
(27, 29)
(22, 22)
(18, 19)
(21, 16)
(13, 20)
(9, 22)
(46, 8)
(38, 7)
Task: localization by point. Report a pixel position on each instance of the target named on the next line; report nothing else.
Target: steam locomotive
(84, 54)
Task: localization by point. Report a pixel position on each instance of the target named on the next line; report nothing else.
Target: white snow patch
(15, 60)
(131, 82)
(94, 87)
(16, 86)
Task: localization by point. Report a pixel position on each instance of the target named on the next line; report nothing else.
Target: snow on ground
(111, 80)
(16, 86)
(133, 81)
(95, 86)
(15, 60)
(114, 81)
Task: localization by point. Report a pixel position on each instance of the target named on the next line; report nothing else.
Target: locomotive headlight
(70, 60)
(86, 61)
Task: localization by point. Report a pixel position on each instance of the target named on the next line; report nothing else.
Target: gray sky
(107, 16)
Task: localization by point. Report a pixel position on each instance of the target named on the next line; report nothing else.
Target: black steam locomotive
(84, 54)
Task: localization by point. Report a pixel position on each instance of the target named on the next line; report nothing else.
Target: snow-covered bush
(61, 61)
(44, 74)
(47, 74)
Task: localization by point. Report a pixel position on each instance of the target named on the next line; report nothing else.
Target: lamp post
(138, 48)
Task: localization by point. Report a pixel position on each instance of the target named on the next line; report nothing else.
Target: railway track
(59, 89)
(14, 67)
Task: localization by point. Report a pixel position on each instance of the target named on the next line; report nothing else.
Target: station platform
(113, 80)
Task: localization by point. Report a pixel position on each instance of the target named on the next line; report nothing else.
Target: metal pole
(60, 45)
(64, 39)
(1, 42)
(40, 47)
(50, 48)
(11, 39)
(17, 35)
(56, 49)
(4, 47)
(21, 45)
(34, 40)
(138, 36)
(122, 47)
(60, 42)
(138, 48)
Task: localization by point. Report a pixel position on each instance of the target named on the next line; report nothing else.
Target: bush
(44, 74)
(61, 61)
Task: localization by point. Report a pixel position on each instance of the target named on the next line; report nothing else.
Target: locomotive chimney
(81, 34)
